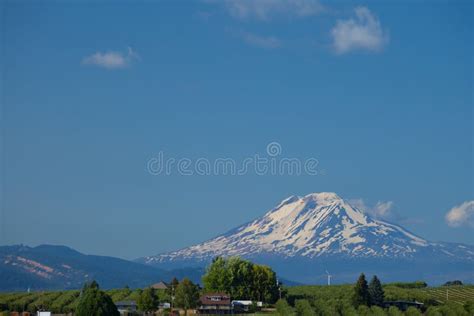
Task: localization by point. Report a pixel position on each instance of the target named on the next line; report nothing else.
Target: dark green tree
(187, 295)
(453, 283)
(361, 292)
(170, 289)
(147, 301)
(94, 302)
(376, 293)
(173, 284)
(90, 285)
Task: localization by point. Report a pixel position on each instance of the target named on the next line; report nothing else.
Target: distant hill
(302, 237)
(49, 267)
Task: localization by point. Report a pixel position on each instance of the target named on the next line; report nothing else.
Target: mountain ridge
(51, 267)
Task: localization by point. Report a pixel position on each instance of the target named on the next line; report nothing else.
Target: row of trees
(241, 279)
(304, 307)
(368, 294)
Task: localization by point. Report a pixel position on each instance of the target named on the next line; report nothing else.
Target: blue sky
(379, 93)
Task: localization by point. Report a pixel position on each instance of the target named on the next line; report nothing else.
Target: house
(241, 306)
(215, 303)
(160, 286)
(245, 306)
(403, 305)
(126, 306)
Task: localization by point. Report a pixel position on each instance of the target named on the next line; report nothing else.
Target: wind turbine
(329, 277)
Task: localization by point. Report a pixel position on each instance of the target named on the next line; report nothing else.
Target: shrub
(303, 308)
(413, 311)
(377, 311)
(469, 307)
(283, 309)
(433, 311)
(363, 310)
(394, 311)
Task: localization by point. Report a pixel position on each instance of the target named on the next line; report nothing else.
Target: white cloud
(362, 32)
(461, 215)
(268, 42)
(111, 59)
(268, 9)
(381, 210)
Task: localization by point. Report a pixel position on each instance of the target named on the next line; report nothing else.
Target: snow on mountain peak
(317, 224)
(314, 207)
(323, 196)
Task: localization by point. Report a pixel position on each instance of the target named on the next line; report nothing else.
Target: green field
(459, 294)
(57, 302)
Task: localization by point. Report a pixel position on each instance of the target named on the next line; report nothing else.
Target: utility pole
(279, 288)
(172, 297)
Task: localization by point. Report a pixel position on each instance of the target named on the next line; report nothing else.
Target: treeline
(410, 285)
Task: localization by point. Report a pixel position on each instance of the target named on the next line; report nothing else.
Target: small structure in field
(126, 306)
(160, 286)
(241, 306)
(245, 306)
(215, 304)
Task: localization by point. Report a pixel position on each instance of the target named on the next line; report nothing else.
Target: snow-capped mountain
(314, 228)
